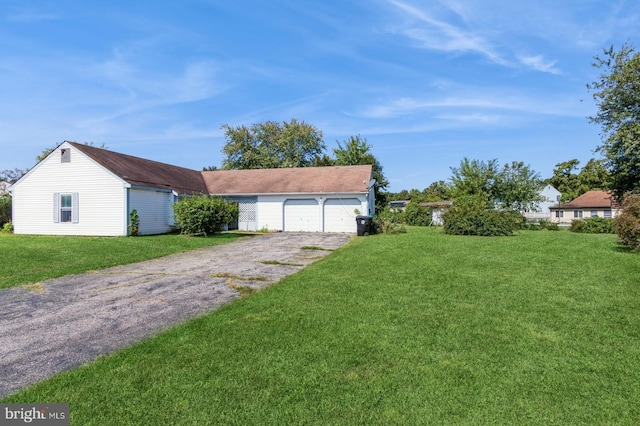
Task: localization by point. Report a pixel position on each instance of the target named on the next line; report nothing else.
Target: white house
(83, 190)
(550, 196)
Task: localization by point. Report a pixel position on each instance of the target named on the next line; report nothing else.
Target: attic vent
(65, 155)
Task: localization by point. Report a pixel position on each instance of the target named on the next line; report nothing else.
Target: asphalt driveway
(59, 324)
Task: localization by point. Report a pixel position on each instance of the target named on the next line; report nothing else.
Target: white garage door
(340, 215)
(301, 216)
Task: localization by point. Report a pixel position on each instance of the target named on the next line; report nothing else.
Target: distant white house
(550, 197)
(83, 190)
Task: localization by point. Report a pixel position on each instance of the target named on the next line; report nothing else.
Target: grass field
(30, 258)
(417, 328)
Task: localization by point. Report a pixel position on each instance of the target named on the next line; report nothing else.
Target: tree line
(515, 183)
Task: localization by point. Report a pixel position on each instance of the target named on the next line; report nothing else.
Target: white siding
(101, 197)
(153, 208)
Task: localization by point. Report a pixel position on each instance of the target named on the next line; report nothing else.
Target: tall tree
(565, 179)
(516, 186)
(617, 94)
(593, 176)
(474, 181)
(272, 145)
(437, 191)
(356, 151)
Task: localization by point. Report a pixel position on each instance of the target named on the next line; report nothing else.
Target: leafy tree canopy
(437, 191)
(11, 176)
(355, 151)
(518, 187)
(272, 145)
(617, 94)
(572, 184)
(515, 186)
(475, 181)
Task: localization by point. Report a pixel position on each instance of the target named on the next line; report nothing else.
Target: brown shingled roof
(141, 172)
(313, 180)
(590, 199)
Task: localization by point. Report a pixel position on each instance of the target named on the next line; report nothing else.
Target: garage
(340, 214)
(301, 215)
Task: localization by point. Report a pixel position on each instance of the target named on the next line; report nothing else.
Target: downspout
(126, 210)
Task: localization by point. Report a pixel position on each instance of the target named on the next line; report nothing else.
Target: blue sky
(427, 83)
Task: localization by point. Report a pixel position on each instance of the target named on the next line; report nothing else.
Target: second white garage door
(340, 214)
(301, 215)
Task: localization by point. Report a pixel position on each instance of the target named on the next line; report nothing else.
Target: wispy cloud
(148, 87)
(436, 34)
(409, 106)
(538, 63)
(486, 106)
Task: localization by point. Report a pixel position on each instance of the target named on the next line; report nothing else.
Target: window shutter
(56, 207)
(74, 208)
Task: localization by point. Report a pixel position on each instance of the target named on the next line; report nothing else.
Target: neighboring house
(589, 204)
(438, 209)
(83, 190)
(550, 197)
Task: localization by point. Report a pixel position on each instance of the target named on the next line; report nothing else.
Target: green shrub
(204, 215)
(548, 225)
(7, 227)
(134, 222)
(387, 222)
(476, 219)
(415, 215)
(592, 225)
(5, 209)
(627, 224)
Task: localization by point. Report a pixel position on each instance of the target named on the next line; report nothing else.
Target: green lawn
(29, 258)
(420, 328)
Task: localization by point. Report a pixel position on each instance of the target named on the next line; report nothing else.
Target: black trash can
(364, 225)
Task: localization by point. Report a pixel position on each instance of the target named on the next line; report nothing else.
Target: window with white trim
(594, 213)
(66, 202)
(65, 207)
(577, 214)
(607, 214)
(559, 213)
